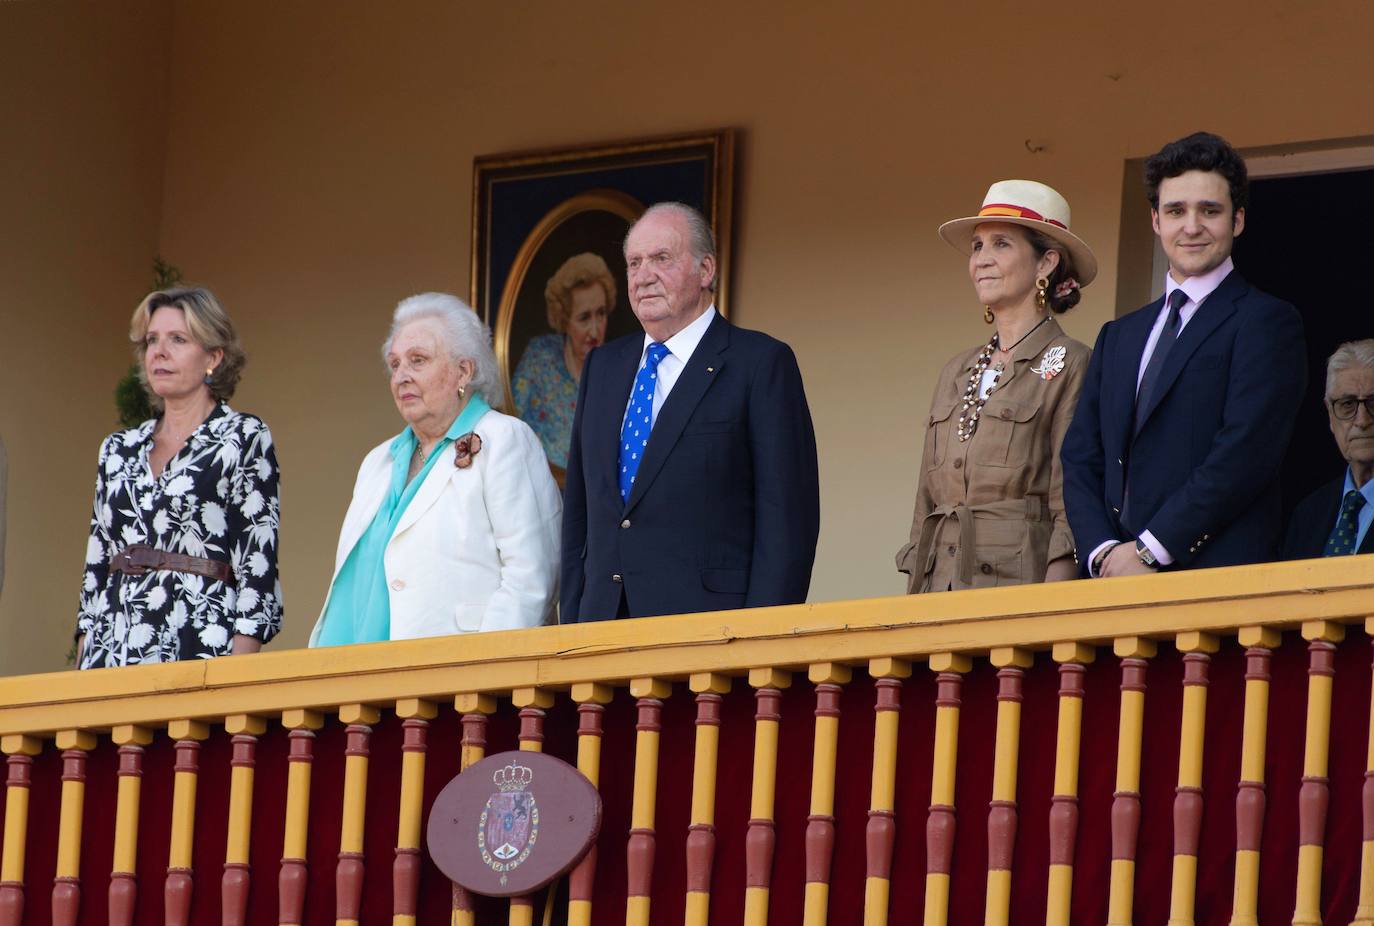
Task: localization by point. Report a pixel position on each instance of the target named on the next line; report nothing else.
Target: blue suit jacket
(1314, 519)
(725, 509)
(1204, 459)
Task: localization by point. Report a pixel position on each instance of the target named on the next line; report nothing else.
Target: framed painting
(548, 271)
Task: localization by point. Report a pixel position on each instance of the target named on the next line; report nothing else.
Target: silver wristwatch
(1146, 556)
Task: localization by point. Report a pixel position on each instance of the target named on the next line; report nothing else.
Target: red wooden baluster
(701, 837)
(820, 828)
(1188, 798)
(474, 743)
(1002, 818)
(761, 837)
(291, 881)
(176, 891)
(1250, 799)
(639, 852)
(1064, 807)
(1314, 795)
(531, 740)
(123, 886)
(349, 873)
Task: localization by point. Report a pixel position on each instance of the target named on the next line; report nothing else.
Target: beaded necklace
(973, 402)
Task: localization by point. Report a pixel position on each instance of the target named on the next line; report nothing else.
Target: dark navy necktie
(639, 419)
(1167, 338)
(1342, 539)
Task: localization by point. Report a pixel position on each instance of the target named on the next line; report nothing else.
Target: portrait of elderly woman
(580, 297)
(182, 557)
(454, 522)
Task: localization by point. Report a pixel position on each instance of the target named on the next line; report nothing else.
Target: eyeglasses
(1344, 407)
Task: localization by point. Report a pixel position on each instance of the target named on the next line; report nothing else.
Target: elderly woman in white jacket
(454, 523)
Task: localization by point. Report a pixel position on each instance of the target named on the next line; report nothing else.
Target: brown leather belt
(140, 558)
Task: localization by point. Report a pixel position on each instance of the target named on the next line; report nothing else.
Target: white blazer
(477, 548)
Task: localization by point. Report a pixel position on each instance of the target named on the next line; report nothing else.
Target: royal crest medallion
(1052, 364)
(509, 825)
(512, 823)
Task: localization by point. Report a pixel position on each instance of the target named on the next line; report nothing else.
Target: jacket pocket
(725, 581)
(939, 432)
(1006, 432)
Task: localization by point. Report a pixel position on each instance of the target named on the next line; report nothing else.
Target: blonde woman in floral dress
(990, 499)
(182, 557)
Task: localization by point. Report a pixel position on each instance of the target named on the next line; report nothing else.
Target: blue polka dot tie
(1342, 539)
(634, 436)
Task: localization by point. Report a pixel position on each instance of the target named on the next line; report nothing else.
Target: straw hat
(1034, 205)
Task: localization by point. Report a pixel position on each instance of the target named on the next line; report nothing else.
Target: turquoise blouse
(359, 608)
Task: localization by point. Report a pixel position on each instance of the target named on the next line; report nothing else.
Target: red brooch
(465, 448)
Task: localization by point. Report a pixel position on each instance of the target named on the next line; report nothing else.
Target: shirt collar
(1200, 287)
(476, 407)
(1367, 490)
(684, 343)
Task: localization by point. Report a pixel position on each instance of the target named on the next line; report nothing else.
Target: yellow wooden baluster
(590, 698)
(244, 729)
(1011, 664)
(66, 892)
(415, 715)
(1364, 913)
(1133, 653)
(940, 824)
(701, 834)
(291, 881)
(881, 829)
(123, 886)
(640, 852)
(19, 751)
(1072, 657)
(360, 718)
(828, 677)
(474, 708)
(1259, 643)
(187, 735)
(759, 841)
(532, 703)
(1195, 647)
(1322, 637)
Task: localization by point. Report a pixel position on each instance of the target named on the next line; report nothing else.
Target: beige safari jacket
(990, 510)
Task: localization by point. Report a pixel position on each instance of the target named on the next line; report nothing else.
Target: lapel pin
(1052, 364)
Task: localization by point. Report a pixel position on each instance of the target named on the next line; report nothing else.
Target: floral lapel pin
(465, 448)
(1052, 364)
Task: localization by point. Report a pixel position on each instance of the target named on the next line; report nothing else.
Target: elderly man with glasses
(1335, 520)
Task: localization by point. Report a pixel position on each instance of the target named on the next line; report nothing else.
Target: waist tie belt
(139, 558)
(1030, 508)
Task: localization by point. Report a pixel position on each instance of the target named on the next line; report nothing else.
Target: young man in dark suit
(1173, 456)
(1335, 520)
(692, 479)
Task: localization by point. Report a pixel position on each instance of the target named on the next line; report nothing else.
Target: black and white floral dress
(216, 499)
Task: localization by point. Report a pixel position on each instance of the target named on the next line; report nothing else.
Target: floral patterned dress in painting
(546, 395)
(216, 499)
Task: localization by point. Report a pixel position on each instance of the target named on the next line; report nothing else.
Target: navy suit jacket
(725, 509)
(1203, 461)
(1313, 520)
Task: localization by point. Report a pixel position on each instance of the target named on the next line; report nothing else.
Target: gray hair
(701, 240)
(1348, 356)
(464, 335)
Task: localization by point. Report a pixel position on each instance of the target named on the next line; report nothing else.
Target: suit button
(952, 549)
(617, 578)
(397, 585)
(985, 569)
(1120, 461)
(959, 463)
(625, 523)
(1006, 413)
(1116, 511)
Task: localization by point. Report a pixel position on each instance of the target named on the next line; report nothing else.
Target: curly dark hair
(1064, 270)
(1199, 151)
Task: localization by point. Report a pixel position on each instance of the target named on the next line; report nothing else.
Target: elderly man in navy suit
(1335, 520)
(692, 479)
(1172, 460)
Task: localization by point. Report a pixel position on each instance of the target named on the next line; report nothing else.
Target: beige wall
(318, 168)
(83, 121)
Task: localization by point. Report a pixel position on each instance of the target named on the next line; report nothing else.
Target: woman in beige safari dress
(989, 502)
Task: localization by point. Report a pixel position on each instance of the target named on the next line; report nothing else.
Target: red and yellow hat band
(1018, 212)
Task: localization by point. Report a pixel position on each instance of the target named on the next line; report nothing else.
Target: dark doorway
(1307, 240)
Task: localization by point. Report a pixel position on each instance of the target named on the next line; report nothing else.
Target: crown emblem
(512, 778)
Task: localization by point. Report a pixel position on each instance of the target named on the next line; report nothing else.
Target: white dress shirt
(680, 346)
(1198, 289)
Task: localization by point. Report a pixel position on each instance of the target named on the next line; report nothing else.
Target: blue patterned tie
(634, 436)
(1342, 539)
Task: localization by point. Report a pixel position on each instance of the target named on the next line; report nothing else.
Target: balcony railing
(1190, 747)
